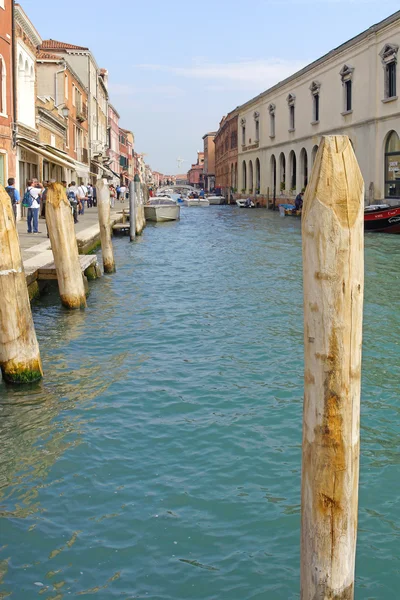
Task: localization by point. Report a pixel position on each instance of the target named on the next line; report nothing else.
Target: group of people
(79, 197)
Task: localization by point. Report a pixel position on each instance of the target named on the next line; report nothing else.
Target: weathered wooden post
(132, 212)
(104, 211)
(140, 219)
(19, 350)
(333, 264)
(61, 229)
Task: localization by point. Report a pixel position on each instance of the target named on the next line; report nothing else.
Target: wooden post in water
(333, 265)
(104, 210)
(19, 350)
(132, 212)
(61, 229)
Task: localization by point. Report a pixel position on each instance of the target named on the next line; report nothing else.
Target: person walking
(118, 190)
(113, 194)
(94, 195)
(82, 196)
(73, 200)
(122, 193)
(89, 195)
(14, 196)
(32, 196)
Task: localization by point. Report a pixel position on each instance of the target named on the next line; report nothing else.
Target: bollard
(19, 350)
(333, 270)
(60, 225)
(104, 210)
(138, 207)
(132, 212)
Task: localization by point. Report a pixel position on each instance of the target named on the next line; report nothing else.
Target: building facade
(195, 175)
(95, 82)
(113, 141)
(209, 161)
(56, 80)
(353, 91)
(27, 39)
(7, 152)
(226, 155)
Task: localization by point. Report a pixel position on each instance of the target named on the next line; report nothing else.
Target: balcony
(81, 112)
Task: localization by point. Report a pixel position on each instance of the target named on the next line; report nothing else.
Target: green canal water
(160, 458)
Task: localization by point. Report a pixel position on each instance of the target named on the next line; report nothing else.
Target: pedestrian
(122, 193)
(118, 190)
(82, 196)
(43, 200)
(73, 200)
(89, 195)
(113, 193)
(31, 201)
(14, 196)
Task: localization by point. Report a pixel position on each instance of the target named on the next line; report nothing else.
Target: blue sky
(177, 67)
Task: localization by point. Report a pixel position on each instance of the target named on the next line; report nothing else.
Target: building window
(315, 88)
(271, 109)
(3, 87)
(243, 135)
(291, 99)
(348, 95)
(346, 75)
(389, 61)
(257, 126)
(233, 140)
(66, 87)
(52, 140)
(392, 166)
(391, 79)
(73, 95)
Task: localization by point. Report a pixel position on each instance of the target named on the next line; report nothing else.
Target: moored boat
(382, 218)
(215, 200)
(241, 203)
(162, 209)
(196, 202)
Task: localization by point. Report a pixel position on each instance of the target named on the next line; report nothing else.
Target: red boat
(382, 218)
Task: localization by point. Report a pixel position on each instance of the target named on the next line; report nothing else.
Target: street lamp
(65, 112)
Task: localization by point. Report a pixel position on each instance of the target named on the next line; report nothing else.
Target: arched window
(392, 166)
(293, 171)
(251, 176)
(258, 176)
(304, 167)
(282, 172)
(273, 175)
(244, 176)
(3, 87)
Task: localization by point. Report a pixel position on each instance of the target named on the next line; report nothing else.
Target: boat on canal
(162, 209)
(241, 203)
(196, 202)
(215, 200)
(382, 218)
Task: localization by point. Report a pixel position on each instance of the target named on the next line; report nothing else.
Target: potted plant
(283, 186)
(243, 190)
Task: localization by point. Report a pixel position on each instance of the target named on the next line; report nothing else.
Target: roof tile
(55, 45)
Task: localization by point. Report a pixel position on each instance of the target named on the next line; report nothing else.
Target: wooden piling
(333, 265)
(132, 212)
(61, 230)
(104, 211)
(19, 350)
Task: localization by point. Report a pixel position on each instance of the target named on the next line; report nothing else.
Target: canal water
(160, 457)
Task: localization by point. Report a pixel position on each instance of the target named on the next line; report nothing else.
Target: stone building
(95, 81)
(195, 174)
(7, 152)
(351, 90)
(113, 142)
(226, 155)
(209, 161)
(57, 81)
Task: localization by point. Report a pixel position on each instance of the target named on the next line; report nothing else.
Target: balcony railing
(81, 112)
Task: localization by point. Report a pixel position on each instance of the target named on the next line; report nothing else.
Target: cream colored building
(351, 90)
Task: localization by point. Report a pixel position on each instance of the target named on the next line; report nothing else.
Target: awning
(106, 170)
(46, 153)
(81, 169)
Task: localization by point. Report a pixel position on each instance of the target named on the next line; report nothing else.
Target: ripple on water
(161, 456)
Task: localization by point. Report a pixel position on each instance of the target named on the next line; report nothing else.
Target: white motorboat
(216, 200)
(196, 202)
(162, 209)
(241, 203)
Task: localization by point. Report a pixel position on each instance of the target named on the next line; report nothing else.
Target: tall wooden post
(60, 225)
(132, 212)
(333, 264)
(104, 211)
(19, 350)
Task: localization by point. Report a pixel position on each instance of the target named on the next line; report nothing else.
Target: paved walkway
(34, 244)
